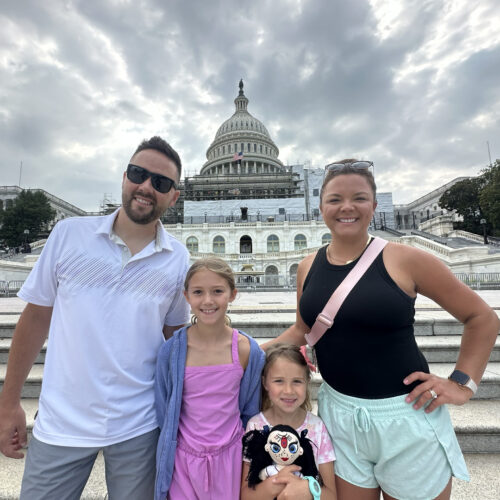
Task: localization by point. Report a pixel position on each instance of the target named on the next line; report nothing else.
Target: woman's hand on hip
(435, 391)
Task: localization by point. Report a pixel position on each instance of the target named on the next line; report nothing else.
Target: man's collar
(162, 240)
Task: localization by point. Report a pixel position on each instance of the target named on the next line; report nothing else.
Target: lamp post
(485, 236)
(26, 234)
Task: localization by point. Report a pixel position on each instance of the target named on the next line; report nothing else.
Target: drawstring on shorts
(362, 421)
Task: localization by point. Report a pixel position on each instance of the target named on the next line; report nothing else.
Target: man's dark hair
(162, 146)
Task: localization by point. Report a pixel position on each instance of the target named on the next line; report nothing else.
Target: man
(106, 290)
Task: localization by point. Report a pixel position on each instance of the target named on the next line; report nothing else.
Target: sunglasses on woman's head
(356, 165)
(138, 175)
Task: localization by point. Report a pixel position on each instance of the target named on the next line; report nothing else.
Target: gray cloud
(83, 82)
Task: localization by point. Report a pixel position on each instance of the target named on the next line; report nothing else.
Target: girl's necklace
(332, 258)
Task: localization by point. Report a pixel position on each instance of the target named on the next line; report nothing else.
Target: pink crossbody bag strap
(325, 318)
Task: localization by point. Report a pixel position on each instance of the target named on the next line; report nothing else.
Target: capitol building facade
(263, 217)
(249, 208)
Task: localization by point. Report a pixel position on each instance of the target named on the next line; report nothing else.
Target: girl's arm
(434, 280)
(266, 490)
(298, 489)
(328, 490)
(295, 334)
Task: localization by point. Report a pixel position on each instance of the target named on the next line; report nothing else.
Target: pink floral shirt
(316, 432)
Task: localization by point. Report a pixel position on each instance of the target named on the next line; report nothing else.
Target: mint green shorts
(385, 443)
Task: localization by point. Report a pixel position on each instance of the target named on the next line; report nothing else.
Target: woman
(382, 407)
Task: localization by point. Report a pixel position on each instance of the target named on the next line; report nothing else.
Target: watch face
(460, 377)
(315, 487)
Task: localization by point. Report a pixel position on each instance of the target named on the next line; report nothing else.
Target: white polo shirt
(106, 329)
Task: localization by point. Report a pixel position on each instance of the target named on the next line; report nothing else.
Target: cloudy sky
(412, 85)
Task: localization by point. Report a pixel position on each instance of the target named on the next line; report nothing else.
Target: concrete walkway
(484, 468)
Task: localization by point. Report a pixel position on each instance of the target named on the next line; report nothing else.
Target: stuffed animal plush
(270, 450)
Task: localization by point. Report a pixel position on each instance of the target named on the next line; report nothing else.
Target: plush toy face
(283, 447)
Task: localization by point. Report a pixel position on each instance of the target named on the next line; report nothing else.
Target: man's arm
(168, 331)
(29, 336)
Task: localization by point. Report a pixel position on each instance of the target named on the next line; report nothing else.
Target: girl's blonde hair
(217, 266)
(291, 353)
(214, 264)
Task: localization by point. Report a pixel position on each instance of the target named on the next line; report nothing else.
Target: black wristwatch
(462, 378)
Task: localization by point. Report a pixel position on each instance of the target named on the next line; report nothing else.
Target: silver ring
(433, 393)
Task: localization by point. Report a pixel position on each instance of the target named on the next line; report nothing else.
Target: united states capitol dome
(242, 137)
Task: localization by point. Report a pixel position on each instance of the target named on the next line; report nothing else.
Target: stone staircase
(263, 316)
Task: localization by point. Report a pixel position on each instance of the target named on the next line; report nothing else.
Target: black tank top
(371, 346)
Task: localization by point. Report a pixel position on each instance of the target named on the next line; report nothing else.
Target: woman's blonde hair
(217, 266)
(291, 353)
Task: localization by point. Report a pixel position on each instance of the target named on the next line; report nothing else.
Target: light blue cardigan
(169, 383)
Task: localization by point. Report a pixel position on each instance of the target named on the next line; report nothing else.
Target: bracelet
(314, 487)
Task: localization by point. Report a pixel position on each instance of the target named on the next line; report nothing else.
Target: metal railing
(224, 219)
(10, 288)
(430, 236)
(480, 281)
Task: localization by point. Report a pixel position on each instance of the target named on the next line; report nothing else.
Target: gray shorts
(61, 472)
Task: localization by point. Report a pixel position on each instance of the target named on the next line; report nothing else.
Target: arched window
(219, 245)
(271, 277)
(273, 243)
(299, 242)
(192, 244)
(245, 244)
(326, 238)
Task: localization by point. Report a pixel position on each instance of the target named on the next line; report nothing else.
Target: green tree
(31, 210)
(463, 197)
(489, 197)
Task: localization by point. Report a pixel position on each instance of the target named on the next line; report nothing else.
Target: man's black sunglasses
(138, 175)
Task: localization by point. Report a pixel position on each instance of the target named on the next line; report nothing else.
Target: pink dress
(209, 449)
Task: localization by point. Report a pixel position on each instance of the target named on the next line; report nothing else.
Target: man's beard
(139, 218)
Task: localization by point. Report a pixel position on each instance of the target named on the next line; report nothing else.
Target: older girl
(207, 387)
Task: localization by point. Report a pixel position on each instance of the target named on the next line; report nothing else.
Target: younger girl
(207, 387)
(285, 400)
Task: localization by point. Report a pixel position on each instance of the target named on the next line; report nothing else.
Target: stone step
(483, 471)
(444, 348)
(488, 389)
(5, 346)
(477, 423)
(268, 326)
(265, 324)
(436, 348)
